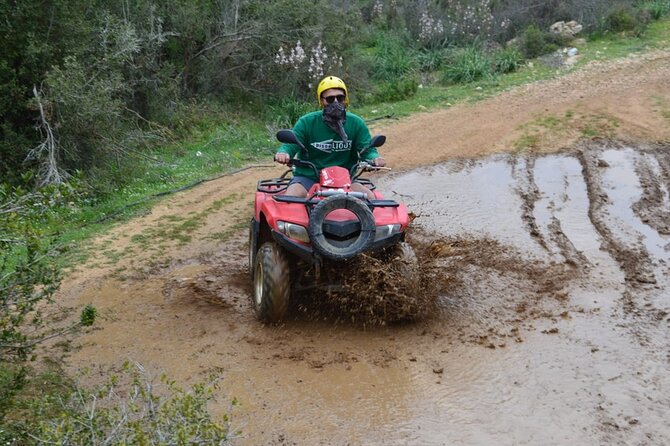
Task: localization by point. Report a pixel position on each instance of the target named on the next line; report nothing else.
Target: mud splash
(385, 288)
(550, 326)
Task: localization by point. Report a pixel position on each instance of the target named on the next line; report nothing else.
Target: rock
(573, 52)
(568, 30)
(514, 43)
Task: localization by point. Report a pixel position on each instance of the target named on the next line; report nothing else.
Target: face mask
(335, 116)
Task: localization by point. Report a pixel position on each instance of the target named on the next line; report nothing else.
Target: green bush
(507, 60)
(657, 8)
(430, 60)
(467, 65)
(621, 19)
(28, 271)
(393, 60)
(535, 43)
(394, 90)
(284, 113)
(133, 409)
(130, 408)
(12, 380)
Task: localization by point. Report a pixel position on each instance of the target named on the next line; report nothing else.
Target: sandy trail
(553, 264)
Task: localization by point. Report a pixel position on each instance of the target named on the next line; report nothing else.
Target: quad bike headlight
(293, 231)
(386, 231)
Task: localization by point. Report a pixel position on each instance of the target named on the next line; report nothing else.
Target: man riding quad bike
(323, 215)
(292, 239)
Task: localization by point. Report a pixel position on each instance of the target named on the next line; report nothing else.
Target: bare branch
(47, 150)
(34, 342)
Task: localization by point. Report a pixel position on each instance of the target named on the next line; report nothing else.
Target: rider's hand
(379, 162)
(282, 157)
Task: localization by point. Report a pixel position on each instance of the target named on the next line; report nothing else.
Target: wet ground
(583, 262)
(552, 324)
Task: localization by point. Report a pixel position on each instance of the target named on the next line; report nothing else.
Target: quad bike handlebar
(302, 163)
(364, 166)
(355, 172)
(287, 136)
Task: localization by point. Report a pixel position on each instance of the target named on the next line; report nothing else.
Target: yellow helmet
(329, 82)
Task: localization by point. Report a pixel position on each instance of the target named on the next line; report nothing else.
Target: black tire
(318, 215)
(272, 283)
(253, 247)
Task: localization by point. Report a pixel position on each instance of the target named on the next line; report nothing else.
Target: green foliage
(394, 59)
(284, 113)
(12, 381)
(88, 315)
(467, 65)
(507, 60)
(394, 90)
(430, 60)
(114, 77)
(28, 274)
(33, 37)
(657, 8)
(133, 409)
(30, 264)
(534, 43)
(624, 18)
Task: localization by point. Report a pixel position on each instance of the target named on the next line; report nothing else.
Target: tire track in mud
(654, 174)
(635, 308)
(635, 261)
(530, 195)
(644, 308)
(564, 261)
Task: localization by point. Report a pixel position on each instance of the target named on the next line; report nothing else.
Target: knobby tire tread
(276, 282)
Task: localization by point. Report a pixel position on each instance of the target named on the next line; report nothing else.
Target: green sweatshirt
(325, 146)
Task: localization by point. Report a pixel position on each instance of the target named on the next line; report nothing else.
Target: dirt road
(549, 249)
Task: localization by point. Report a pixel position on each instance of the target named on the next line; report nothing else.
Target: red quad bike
(292, 239)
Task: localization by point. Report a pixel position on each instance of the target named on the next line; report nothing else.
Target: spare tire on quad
(326, 247)
(272, 283)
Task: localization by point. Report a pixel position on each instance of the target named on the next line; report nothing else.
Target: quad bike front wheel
(272, 284)
(253, 245)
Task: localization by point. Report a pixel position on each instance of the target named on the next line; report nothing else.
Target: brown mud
(547, 268)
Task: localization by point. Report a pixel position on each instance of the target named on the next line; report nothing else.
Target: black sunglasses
(331, 99)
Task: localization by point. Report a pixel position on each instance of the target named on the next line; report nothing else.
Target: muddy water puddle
(552, 325)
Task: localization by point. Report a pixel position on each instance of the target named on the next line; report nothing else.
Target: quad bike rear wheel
(272, 283)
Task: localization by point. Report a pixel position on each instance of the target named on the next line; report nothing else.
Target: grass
(663, 106)
(656, 36)
(179, 230)
(212, 149)
(225, 235)
(572, 122)
(599, 125)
